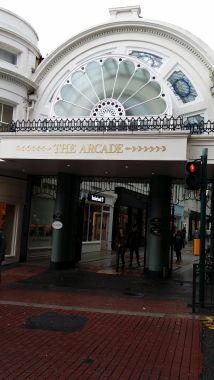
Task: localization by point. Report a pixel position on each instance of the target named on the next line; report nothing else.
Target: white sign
(96, 198)
(57, 225)
(150, 147)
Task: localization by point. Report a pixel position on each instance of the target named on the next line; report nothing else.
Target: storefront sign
(127, 147)
(96, 198)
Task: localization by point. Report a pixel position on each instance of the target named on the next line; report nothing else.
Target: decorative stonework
(212, 80)
(114, 30)
(18, 79)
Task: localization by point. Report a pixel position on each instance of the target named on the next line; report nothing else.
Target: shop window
(8, 56)
(123, 217)
(40, 230)
(92, 222)
(6, 114)
(7, 213)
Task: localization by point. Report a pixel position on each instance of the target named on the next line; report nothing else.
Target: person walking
(178, 244)
(134, 243)
(120, 244)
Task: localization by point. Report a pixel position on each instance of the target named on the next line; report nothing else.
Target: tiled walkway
(127, 328)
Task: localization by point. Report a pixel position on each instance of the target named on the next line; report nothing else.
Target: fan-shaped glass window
(153, 60)
(182, 87)
(110, 87)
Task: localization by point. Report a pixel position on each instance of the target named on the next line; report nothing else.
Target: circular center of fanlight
(108, 108)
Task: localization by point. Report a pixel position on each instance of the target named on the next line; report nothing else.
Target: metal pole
(203, 225)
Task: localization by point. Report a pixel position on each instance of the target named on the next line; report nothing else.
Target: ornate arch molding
(110, 30)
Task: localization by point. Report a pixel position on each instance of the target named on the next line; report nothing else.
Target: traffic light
(193, 175)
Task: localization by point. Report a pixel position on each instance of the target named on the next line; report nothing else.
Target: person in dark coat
(134, 243)
(120, 244)
(178, 244)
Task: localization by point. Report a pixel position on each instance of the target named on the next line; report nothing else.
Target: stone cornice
(18, 79)
(110, 29)
(20, 39)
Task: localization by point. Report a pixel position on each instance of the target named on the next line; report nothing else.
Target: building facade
(123, 99)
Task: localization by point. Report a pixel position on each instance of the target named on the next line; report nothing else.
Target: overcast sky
(55, 21)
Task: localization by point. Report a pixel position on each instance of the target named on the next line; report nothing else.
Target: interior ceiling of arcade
(105, 168)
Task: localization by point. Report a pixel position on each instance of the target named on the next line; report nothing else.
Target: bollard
(196, 247)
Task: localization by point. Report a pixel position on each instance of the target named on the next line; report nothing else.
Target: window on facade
(7, 56)
(111, 87)
(153, 60)
(182, 87)
(195, 123)
(7, 213)
(6, 114)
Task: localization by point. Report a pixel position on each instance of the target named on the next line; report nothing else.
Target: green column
(212, 221)
(64, 243)
(158, 234)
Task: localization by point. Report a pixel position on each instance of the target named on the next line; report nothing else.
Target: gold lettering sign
(92, 148)
(101, 148)
(64, 148)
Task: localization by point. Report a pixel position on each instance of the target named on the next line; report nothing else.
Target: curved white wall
(17, 37)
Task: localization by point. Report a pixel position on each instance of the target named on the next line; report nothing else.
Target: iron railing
(128, 124)
(203, 301)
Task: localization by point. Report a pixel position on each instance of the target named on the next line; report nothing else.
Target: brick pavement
(123, 338)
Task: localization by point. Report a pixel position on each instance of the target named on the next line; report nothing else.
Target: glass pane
(94, 72)
(152, 59)
(7, 212)
(139, 79)
(150, 91)
(105, 224)
(182, 87)
(125, 72)
(110, 67)
(65, 110)
(94, 223)
(40, 231)
(8, 56)
(85, 222)
(72, 95)
(153, 107)
(81, 81)
(7, 113)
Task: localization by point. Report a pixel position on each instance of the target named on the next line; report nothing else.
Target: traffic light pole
(203, 225)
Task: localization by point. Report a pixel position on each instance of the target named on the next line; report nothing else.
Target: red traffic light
(192, 167)
(193, 175)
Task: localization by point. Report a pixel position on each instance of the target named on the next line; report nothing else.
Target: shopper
(178, 244)
(134, 243)
(120, 244)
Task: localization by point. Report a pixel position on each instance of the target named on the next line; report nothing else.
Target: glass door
(105, 230)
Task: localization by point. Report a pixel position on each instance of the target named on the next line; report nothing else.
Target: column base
(164, 274)
(62, 265)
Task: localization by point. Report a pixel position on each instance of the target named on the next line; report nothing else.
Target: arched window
(111, 87)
